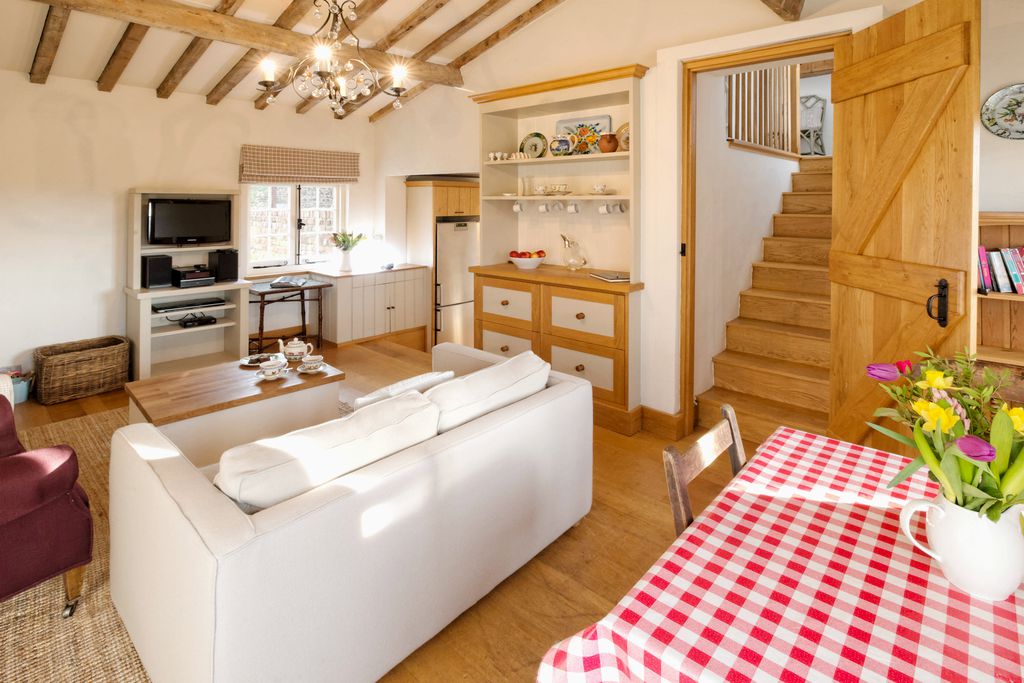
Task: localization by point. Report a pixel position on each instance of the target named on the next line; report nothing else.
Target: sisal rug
(36, 644)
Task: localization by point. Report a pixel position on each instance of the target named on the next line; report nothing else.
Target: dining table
(798, 571)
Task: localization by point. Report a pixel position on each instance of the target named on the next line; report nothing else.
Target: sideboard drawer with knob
(505, 341)
(594, 317)
(507, 302)
(603, 367)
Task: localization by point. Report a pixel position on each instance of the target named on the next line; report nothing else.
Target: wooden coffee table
(208, 410)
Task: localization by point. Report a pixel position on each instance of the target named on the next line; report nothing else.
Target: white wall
(738, 192)
(70, 154)
(822, 87)
(1002, 182)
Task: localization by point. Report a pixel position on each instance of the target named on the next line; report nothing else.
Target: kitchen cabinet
(363, 306)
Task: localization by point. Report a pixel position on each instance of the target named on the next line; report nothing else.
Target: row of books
(1001, 270)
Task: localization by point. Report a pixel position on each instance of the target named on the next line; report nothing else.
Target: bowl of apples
(527, 260)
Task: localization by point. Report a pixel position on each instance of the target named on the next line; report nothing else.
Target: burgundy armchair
(45, 523)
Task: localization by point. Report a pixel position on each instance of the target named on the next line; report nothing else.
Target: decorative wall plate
(622, 133)
(534, 146)
(588, 129)
(1003, 113)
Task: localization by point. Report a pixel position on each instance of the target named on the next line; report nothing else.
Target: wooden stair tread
(820, 193)
(768, 326)
(807, 267)
(785, 414)
(806, 216)
(816, 241)
(800, 371)
(787, 296)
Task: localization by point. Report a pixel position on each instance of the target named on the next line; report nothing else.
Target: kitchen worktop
(557, 275)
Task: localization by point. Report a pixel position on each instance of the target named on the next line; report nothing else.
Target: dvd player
(170, 306)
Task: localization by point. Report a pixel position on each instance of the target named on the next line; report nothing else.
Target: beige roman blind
(263, 164)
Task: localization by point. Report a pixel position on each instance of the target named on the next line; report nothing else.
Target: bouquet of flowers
(346, 241)
(970, 440)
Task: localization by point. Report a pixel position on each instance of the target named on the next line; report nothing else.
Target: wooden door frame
(803, 47)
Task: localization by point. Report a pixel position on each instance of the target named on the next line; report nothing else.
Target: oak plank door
(906, 94)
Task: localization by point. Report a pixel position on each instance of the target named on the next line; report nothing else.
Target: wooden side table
(265, 295)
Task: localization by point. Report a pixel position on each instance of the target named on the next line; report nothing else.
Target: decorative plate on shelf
(588, 131)
(534, 146)
(1003, 113)
(622, 133)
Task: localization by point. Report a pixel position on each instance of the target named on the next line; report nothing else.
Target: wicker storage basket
(82, 368)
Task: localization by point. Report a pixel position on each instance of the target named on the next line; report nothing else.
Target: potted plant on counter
(346, 242)
(972, 443)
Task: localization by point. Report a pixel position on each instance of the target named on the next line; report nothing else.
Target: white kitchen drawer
(508, 302)
(604, 368)
(595, 317)
(504, 341)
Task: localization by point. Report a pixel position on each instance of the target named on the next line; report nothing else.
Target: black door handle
(937, 306)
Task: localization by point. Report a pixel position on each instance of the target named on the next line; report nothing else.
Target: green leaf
(986, 507)
(1002, 440)
(976, 492)
(995, 513)
(915, 464)
(907, 441)
(951, 468)
(890, 413)
(974, 503)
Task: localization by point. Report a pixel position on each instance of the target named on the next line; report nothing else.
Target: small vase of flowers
(972, 444)
(346, 242)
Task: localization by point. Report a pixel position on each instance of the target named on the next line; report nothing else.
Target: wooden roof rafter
(424, 11)
(521, 21)
(49, 41)
(790, 10)
(196, 49)
(202, 23)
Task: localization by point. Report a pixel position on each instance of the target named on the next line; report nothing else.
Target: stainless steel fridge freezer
(456, 248)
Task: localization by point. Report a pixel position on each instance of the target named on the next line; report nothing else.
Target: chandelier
(322, 76)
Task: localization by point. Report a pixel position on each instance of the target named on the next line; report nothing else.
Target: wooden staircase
(775, 367)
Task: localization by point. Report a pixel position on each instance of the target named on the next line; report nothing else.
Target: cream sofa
(344, 581)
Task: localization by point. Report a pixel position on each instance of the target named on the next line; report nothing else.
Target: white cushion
(268, 471)
(417, 383)
(484, 391)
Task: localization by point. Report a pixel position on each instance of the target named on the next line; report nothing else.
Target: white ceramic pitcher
(978, 556)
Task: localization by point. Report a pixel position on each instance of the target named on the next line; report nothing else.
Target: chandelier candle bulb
(269, 70)
(398, 75)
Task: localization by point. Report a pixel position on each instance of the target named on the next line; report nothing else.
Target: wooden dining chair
(682, 468)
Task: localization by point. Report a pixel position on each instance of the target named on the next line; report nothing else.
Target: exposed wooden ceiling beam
(123, 53)
(789, 10)
(472, 53)
(49, 41)
(446, 39)
(291, 16)
(425, 10)
(196, 49)
(364, 11)
(174, 16)
(819, 68)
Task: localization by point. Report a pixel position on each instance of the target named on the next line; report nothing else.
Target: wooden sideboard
(579, 324)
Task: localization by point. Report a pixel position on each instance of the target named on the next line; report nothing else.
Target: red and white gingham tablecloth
(798, 572)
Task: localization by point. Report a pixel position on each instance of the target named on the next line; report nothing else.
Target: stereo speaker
(156, 271)
(224, 264)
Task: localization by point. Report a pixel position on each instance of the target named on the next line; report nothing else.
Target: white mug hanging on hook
(517, 207)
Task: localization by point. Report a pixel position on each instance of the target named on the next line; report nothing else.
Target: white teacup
(493, 156)
(540, 189)
(273, 368)
(312, 362)
(600, 188)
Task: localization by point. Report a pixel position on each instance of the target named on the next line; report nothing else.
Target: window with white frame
(273, 214)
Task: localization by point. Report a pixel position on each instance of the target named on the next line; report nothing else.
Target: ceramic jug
(608, 143)
(978, 556)
(563, 145)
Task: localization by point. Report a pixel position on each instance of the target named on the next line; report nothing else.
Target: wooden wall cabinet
(580, 325)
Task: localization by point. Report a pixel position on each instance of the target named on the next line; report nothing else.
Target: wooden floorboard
(571, 584)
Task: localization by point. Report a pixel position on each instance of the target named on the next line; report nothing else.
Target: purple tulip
(884, 372)
(976, 448)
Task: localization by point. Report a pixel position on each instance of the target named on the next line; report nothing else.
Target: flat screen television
(189, 221)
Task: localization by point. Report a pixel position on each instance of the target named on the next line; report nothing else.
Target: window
(273, 214)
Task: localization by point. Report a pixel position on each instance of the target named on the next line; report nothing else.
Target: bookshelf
(1001, 315)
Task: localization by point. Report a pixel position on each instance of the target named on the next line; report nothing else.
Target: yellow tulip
(936, 379)
(1017, 415)
(936, 416)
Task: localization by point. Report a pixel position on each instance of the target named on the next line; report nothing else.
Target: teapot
(563, 145)
(295, 349)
